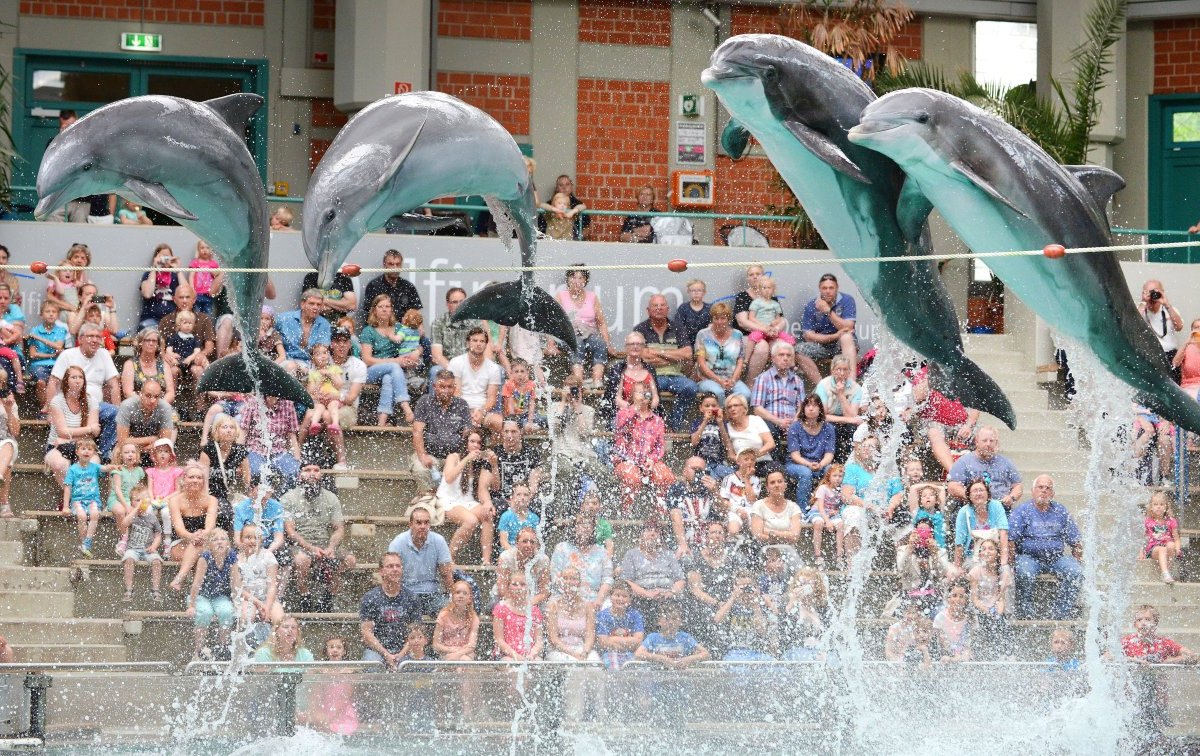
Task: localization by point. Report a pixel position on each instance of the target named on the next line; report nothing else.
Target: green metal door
(46, 83)
(1174, 170)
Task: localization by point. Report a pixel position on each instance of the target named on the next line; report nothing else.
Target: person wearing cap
(354, 373)
(145, 418)
(829, 323)
(315, 528)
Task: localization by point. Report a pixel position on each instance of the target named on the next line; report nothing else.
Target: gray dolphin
(1001, 192)
(799, 103)
(188, 161)
(400, 152)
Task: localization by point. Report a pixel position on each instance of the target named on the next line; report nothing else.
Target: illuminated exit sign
(139, 42)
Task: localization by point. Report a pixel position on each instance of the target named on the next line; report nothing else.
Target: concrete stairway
(37, 609)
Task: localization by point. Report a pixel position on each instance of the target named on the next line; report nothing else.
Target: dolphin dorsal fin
(825, 150)
(1101, 183)
(735, 139)
(398, 160)
(912, 209)
(979, 181)
(236, 109)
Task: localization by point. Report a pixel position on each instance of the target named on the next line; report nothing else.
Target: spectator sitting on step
(144, 419)
(746, 431)
(1162, 534)
(775, 520)
(81, 493)
(517, 623)
(338, 300)
(449, 338)
(316, 527)
(147, 363)
(743, 616)
(1041, 530)
(810, 444)
(654, 574)
(456, 631)
(477, 380)
(719, 359)
(829, 322)
(842, 397)
(100, 378)
(709, 438)
(10, 431)
(399, 290)
(157, 288)
(572, 425)
(301, 329)
(122, 479)
(215, 583)
(185, 353)
(228, 464)
(595, 565)
(258, 600)
(778, 393)
(740, 489)
(692, 506)
(284, 644)
(258, 506)
(670, 646)
(902, 504)
(526, 557)
(390, 354)
(427, 569)
(671, 359)
(512, 463)
(204, 331)
(440, 420)
(520, 397)
(45, 342)
(1145, 646)
(193, 513)
(465, 496)
(517, 517)
(988, 464)
(386, 613)
(281, 448)
(639, 444)
(620, 629)
(982, 517)
(694, 314)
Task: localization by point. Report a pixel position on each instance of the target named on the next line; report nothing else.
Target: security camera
(712, 17)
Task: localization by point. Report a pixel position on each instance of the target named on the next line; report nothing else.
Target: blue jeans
(1064, 567)
(804, 478)
(108, 429)
(684, 390)
(283, 464)
(714, 388)
(393, 385)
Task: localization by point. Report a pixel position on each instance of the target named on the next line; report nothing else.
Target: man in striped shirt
(777, 394)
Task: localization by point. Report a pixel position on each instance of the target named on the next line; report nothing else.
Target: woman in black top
(228, 466)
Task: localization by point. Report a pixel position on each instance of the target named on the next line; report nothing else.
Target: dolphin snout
(867, 128)
(47, 205)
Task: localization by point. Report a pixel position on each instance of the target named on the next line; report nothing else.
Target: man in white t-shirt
(103, 386)
(355, 373)
(477, 381)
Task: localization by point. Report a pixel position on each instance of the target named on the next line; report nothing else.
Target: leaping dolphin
(400, 152)
(799, 103)
(188, 161)
(1001, 192)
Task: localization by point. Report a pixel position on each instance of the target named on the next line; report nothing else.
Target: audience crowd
(783, 441)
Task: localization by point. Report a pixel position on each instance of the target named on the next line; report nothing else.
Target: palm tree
(856, 32)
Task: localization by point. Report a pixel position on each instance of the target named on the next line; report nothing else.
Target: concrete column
(693, 39)
(379, 43)
(285, 34)
(553, 90)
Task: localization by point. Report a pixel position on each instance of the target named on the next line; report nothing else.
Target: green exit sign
(139, 42)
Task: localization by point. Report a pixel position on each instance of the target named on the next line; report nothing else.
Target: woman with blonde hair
(285, 643)
(146, 364)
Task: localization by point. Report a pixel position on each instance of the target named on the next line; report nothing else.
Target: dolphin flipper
(979, 181)
(417, 223)
(972, 386)
(158, 197)
(825, 150)
(735, 139)
(236, 109)
(1173, 404)
(912, 210)
(232, 373)
(511, 303)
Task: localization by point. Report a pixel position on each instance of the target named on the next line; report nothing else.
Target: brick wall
(744, 187)
(625, 22)
(325, 115)
(623, 138)
(503, 97)
(324, 14)
(220, 12)
(316, 151)
(485, 19)
(1177, 56)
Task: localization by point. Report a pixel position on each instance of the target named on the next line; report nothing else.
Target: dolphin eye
(923, 118)
(86, 167)
(330, 215)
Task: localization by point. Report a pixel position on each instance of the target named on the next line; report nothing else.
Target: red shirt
(1154, 648)
(938, 407)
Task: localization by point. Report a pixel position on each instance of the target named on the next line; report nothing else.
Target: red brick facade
(745, 187)
(625, 22)
(324, 14)
(1177, 56)
(622, 142)
(316, 151)
(324, 115)
(219, 12)
(505, 98)
(485, 19)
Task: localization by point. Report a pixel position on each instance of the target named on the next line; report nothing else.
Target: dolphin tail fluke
(1174, 405)
(515, 303)
(232, 373)
(976, 389)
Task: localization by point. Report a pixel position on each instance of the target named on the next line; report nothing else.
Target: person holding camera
(743, 617)
(572, 425)
(158, 287)
(1162, 318)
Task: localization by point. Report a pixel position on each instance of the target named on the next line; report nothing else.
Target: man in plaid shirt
(777, 394)
(281, 448)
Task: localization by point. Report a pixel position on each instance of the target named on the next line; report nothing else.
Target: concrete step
(70, 653)
(1041, 441)
(11, 552)
(63, 631)
(15, 528)
(991, 342)
(1037, 420)
(1027, 398)
(1000, 361)
(17, 578)
(37, 604)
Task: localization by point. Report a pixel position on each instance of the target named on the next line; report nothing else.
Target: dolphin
(188, 161)
(400, 152)
(1001, 192)
(799, 104)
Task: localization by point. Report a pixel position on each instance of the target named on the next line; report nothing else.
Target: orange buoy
(38, 268)
(352, 270)
(1054, 251)
(678, 265)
